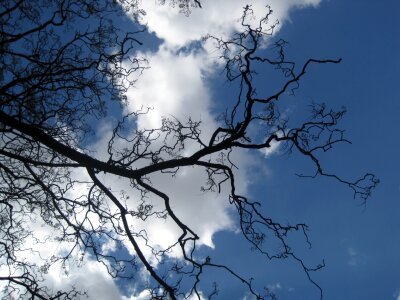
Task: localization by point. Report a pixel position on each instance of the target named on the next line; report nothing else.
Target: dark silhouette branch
(57, 79)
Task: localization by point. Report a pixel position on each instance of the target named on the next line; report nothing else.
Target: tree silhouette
(63, 63)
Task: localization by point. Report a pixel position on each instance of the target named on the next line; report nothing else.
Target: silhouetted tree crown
(63, 64)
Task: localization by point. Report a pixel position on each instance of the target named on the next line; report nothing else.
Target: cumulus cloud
(176, 86)
(204, 212)
(273, 149)
(91, 277)
(396, 295)
(173, 86)
(85, 275)
(217, 17)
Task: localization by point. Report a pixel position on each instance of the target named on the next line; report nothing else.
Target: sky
(360, 244)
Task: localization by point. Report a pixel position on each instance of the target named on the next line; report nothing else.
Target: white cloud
(273, 149)
(274, 287)
(217, 17)
(86, 275)
(249, 297)
(144, 295)
(396, 295)
(91, 277)
(204, 212)
(355, 257)
(175, 85)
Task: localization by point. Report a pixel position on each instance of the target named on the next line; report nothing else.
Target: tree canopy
(66, 65)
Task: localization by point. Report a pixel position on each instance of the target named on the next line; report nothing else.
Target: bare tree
(62, 63)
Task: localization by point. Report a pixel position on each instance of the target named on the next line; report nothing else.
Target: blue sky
(360, 245)
(359, 242)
